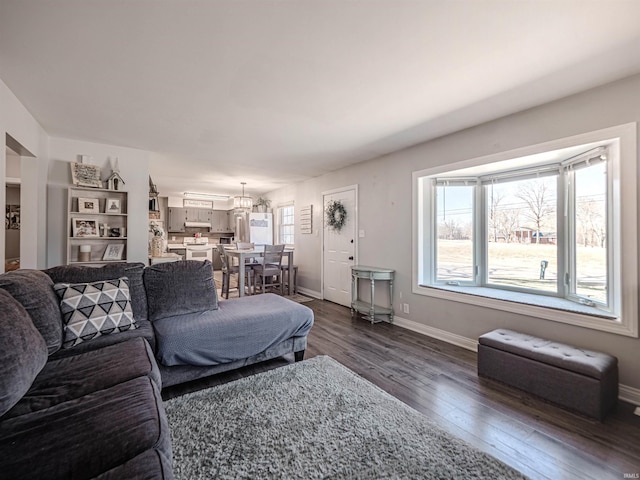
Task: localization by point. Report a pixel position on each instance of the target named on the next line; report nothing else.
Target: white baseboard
(625, 393)
(309, 293)
(433, 332)
(629, 394)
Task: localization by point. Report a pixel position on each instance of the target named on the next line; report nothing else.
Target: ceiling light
(207, 196)
(242, 201)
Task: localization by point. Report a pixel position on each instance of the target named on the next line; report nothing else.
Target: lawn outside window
(548, 231)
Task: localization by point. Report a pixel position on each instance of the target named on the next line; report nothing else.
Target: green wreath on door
(336, 215)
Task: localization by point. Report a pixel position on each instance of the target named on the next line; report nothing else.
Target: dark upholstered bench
(578, 379)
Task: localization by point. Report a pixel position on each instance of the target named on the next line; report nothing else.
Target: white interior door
(339, 249)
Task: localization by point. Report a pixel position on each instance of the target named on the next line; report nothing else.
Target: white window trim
(279, 219)
(627, 323)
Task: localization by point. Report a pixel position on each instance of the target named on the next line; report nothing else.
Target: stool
(578, 379)
(285, 271)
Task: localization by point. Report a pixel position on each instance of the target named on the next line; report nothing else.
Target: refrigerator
(252, 227)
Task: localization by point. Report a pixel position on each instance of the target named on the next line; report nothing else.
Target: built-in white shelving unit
(96, 221)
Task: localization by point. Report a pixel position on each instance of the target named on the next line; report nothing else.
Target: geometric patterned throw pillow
(90, 310)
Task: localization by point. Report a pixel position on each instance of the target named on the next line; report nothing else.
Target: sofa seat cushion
(73, 377)
(23, 352)
(178, 288)
(34, 290)
(240, 328)
(88, 436)
(567, 357)
(83, 274)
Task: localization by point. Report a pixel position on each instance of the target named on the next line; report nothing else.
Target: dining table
(242, 254)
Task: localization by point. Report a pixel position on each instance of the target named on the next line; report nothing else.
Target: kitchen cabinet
(96, 226)
(177, 217)
(231, 221)
(200, 215)
(220, 221)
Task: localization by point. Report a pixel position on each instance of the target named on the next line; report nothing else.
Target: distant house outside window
(286, 224)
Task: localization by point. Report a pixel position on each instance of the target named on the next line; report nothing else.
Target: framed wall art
(84, 175)
(88, 205)
(113, 252)
(112, 205)
(84, 227)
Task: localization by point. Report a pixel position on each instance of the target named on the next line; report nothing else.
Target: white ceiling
(275, 91)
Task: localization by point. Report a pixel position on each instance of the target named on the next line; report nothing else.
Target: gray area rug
(314, 419)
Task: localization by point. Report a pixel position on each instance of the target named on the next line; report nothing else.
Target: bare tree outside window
(539, 199)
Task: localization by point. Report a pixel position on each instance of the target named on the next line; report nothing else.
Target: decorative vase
(157, 246)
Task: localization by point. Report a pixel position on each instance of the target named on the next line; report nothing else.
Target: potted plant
(262, 204)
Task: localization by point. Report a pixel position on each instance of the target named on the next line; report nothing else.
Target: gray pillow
(85, 274)
(177, 288)
(90, 310)
(23, 351)
(34, 290)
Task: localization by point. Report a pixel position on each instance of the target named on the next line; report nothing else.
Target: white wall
(134, 169)
(16, 121)
(385, 214)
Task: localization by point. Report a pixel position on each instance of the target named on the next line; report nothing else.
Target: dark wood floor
(440, 380)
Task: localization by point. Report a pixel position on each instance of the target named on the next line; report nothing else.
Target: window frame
(280, 214)
(623, 283)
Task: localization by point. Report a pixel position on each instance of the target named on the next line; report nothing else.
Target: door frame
(346, 188)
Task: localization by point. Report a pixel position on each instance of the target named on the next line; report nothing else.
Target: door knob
(351, 258)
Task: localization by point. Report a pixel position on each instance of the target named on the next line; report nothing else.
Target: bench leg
(298, 356)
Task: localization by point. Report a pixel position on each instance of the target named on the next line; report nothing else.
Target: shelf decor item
(115, 181)
(88, 205)
(336, 215)
(112, 206)
(84, 227)
(85, 253)
(113, 252)
(85, 175)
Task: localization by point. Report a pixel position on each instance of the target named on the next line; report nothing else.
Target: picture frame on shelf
(84, 227)
(88, 205)
(112, 206)
(85, 175)
(113, 252)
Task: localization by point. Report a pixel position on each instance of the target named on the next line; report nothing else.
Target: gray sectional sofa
(85, 352)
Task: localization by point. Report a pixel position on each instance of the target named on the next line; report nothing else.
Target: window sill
(538, 306)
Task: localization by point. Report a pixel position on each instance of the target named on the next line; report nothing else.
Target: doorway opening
(12, 210)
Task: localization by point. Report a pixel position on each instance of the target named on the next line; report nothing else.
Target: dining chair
(228, 270)
(269, 268)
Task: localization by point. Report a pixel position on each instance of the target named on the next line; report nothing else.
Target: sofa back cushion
(34, 290)
(178, 288)
(23, 351)
(85, 274)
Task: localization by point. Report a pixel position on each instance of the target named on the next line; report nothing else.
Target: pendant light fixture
(242, 201)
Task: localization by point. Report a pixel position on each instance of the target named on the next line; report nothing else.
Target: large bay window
(547, 231)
